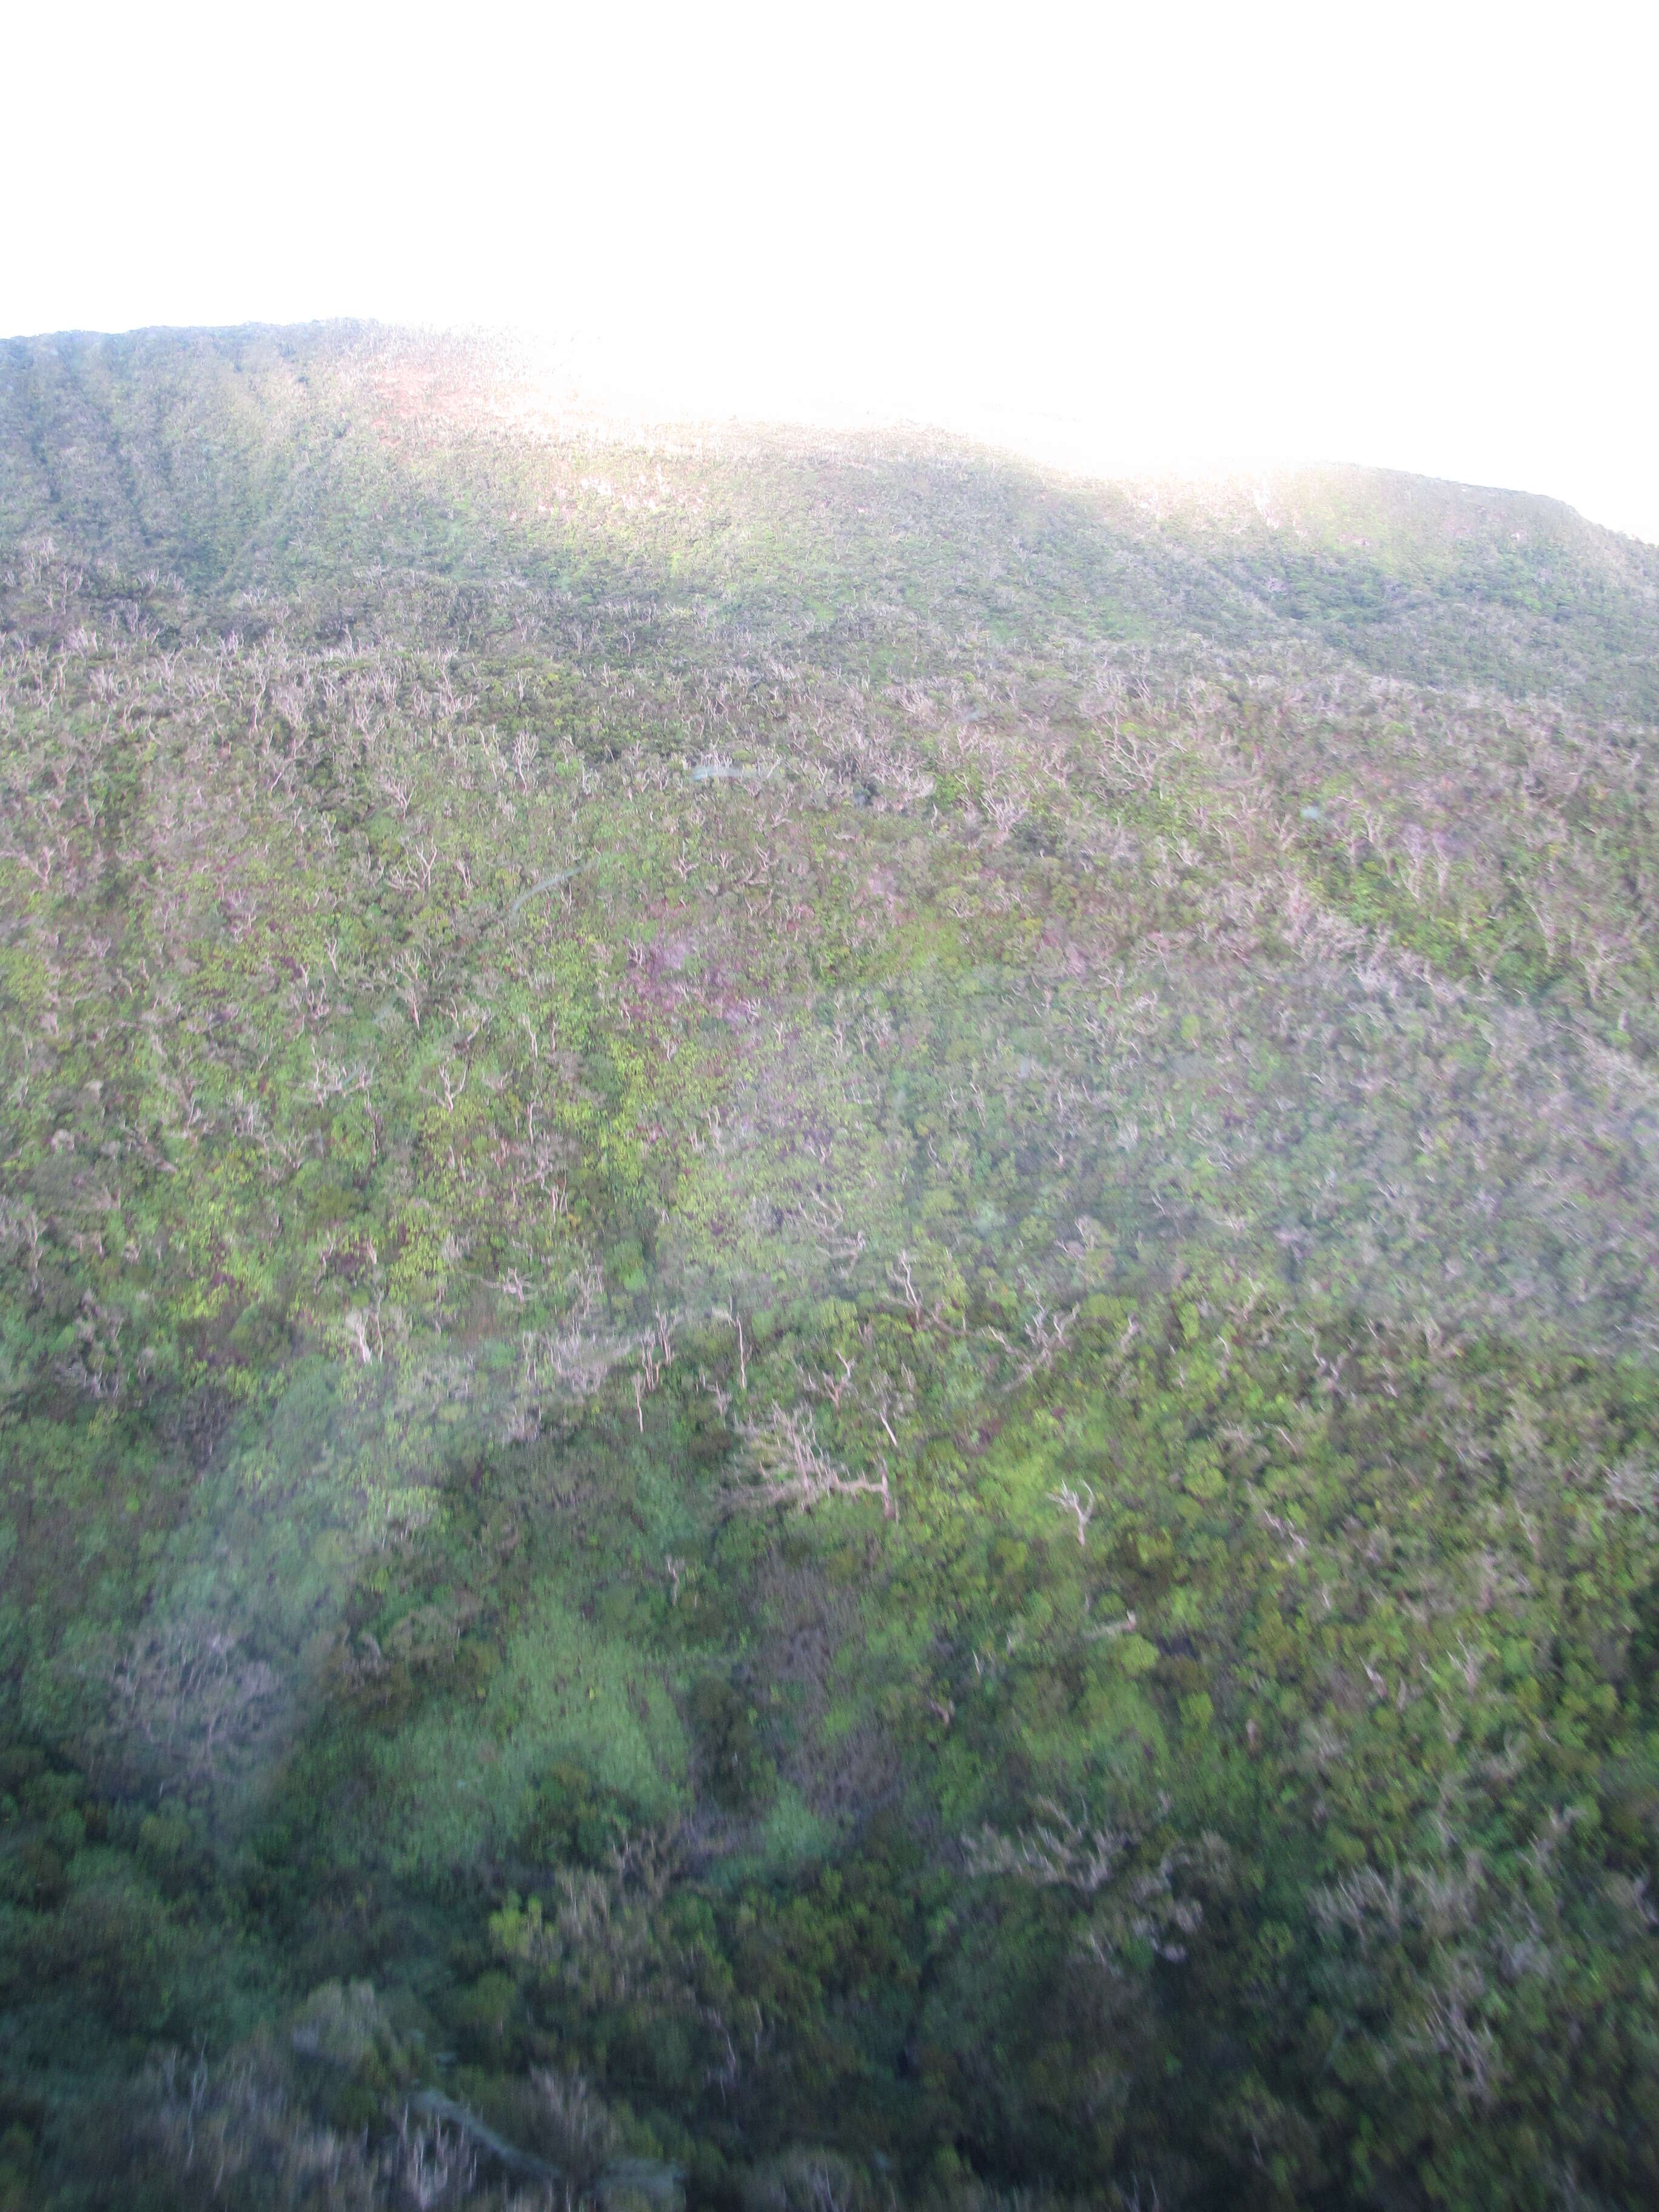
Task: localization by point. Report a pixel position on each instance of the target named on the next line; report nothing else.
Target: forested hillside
(829, 1359)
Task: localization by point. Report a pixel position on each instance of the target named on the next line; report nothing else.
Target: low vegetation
(828, 1368)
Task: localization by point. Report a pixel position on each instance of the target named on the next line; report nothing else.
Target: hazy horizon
(1160, 245)
(614, 384)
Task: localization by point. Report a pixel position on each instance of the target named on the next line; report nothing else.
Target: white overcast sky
(1418, 235)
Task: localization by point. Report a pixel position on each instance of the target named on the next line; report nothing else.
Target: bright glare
(1115, 236)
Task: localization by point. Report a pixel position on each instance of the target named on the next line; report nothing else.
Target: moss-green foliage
(827, 1360)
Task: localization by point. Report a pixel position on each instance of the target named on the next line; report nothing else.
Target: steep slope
(830, 1322)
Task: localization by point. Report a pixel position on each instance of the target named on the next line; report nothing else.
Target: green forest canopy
(829, 1366)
